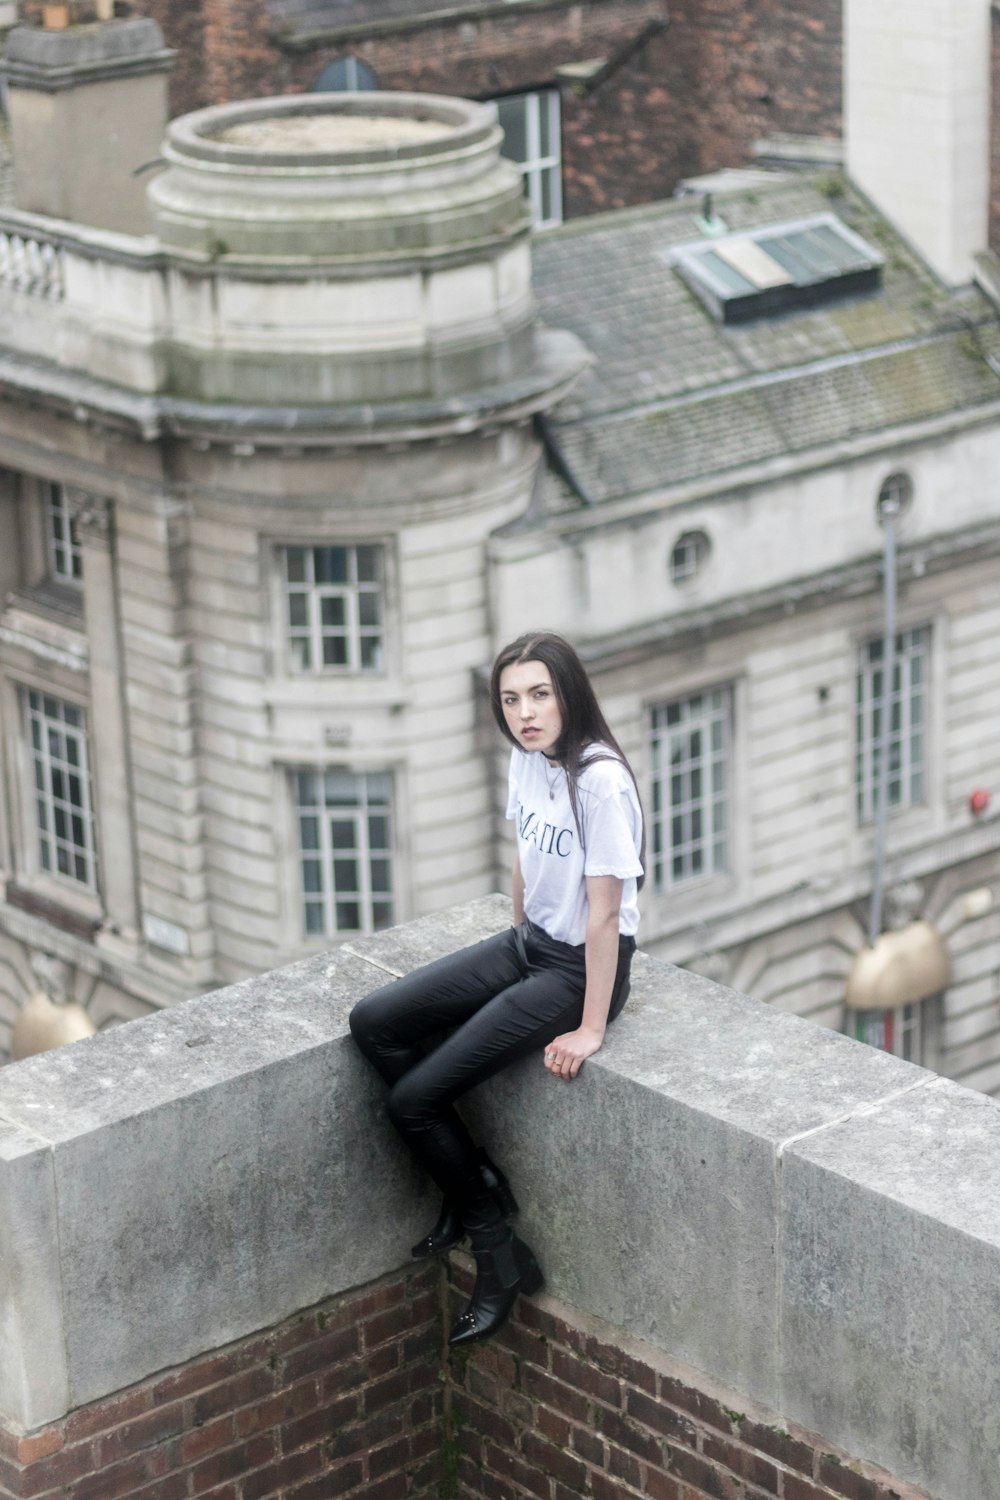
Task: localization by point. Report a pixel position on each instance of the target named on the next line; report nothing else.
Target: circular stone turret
(346, 248)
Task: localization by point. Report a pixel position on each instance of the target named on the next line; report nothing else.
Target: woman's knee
(405, 1106)
(364, 1019)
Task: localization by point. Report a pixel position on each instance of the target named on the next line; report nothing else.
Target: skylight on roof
(778, 268)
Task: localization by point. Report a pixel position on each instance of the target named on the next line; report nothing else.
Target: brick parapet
(558, 1407)
(341, 1400)
(354, 1398)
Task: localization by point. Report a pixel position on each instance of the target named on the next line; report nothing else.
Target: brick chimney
(87, 105)
(917, 121)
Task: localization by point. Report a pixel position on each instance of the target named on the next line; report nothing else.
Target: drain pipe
(888, 511)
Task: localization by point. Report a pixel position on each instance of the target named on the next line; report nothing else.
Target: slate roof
(296, 18)
(675, 396)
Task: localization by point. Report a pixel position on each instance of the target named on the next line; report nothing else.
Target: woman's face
(530, 706)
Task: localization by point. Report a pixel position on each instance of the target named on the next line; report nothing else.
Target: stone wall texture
(691, 98)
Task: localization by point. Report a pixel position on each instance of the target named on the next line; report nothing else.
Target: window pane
(334, 651)
(690, 777)
(368, 564)
(335, 608)
(513, 121)
(330, 564)
(295, 564)
(905, 712)
(347, 858)
(340, 789)
(342, 834)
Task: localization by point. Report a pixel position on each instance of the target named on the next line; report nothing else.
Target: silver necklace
(551, 784)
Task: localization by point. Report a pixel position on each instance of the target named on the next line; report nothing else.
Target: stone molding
(53, 61)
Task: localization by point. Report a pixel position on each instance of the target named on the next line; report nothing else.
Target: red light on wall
(979, 800)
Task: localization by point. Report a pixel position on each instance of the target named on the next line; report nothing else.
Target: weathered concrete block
(33, 1367)
(888, 1259)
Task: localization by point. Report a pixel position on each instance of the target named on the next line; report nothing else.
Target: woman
(552, 983)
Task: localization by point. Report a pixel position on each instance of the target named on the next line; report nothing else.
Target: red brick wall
(352, 1400)
(343, 1400)
(551, 1411)
(694, 98)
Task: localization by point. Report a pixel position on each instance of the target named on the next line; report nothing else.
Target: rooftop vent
(778, 268)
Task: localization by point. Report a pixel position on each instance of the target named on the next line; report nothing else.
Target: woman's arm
(604, 898)
(517, 890)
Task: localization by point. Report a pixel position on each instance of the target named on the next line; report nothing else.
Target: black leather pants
(439, 1031)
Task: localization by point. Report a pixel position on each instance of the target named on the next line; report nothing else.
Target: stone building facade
(283, 467)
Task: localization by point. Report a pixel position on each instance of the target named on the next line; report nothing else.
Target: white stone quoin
(917, 121)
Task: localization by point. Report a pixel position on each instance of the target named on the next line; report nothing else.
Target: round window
(689, 554)
(895, 494)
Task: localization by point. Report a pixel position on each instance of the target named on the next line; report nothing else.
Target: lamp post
(888, 511)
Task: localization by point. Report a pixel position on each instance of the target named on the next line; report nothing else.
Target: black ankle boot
(504, 1267)
(497, 1185)
(446, 1233)
(448, 1230)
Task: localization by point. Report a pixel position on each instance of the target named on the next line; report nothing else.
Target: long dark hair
(583, 723)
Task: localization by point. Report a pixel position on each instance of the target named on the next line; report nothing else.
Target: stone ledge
(800, 1218)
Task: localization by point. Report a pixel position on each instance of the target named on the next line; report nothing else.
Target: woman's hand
(565, 1055)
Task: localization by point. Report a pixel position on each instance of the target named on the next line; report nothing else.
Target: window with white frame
(345, 850)
(533, 139)
(691, 761)
(64, 818)
(65, 562)
(906, 705)
(901, 1032)
(335, 607)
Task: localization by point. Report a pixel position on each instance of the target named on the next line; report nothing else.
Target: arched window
(345, 74)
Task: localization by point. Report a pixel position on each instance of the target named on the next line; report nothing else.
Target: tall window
(532, 138)
(63, 809)
(335, 609)
(907, 709)
(691, 774)
(65, 562)
(345, 849)
(900, 1032)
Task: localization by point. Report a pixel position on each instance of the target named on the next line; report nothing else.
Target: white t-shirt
(554, 861)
